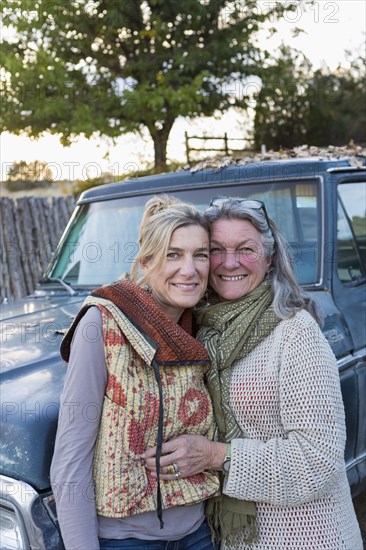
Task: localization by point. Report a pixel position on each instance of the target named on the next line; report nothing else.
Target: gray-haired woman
(276, 393)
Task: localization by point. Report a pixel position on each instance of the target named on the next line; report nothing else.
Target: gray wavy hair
(288, 296)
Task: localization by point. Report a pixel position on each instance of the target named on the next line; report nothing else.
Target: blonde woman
(136, 379)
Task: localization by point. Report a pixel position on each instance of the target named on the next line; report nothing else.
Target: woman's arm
(284, 470)
(80, 409)
(301, 464)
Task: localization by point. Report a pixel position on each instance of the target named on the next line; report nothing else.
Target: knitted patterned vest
(129, 421)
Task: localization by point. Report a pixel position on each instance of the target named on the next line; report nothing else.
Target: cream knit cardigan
(286, 397)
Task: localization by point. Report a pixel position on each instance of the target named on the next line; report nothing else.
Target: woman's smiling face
(238, 263)
(181, 280)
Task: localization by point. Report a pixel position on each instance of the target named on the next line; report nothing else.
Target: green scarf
(230, 331)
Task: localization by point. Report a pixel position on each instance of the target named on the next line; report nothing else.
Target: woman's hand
(186, 456)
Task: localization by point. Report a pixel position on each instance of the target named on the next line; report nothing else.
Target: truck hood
(31, 376)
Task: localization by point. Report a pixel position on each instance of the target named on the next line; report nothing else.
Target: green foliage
(337, 106)
(24, 175)
(26, 185)
(296, 105)
(114, 66)
(36, 170)
(359, 225)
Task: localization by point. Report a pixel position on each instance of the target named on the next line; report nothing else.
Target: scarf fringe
(233, 527)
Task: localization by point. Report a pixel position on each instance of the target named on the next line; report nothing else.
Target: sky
(331, 28)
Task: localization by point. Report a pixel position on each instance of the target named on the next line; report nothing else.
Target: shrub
(26, 185)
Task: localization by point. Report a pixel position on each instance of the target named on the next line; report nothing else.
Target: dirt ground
(360, 508)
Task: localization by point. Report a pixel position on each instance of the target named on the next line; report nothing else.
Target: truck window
(351, 231)
(101, 242)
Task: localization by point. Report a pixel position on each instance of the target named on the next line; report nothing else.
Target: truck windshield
(102, 239)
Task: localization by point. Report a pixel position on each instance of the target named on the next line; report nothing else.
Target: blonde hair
(163, 214)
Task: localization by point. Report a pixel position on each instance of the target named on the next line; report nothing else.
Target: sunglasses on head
(249, 203)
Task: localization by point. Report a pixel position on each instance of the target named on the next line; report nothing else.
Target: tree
(297, 105)
(336, 105)
(35, 171)
(114, 66)
(281, 102)
(24, 175)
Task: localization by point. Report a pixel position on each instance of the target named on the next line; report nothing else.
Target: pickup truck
(319, 204)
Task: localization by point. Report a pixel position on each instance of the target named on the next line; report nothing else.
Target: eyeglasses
(250, 203)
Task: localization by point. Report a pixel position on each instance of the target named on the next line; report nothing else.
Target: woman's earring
(147, 288)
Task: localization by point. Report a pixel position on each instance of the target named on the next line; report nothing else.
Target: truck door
(349, 293)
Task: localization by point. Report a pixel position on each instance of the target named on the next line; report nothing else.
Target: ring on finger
(176, 467)
(171, 469)
(177, 475)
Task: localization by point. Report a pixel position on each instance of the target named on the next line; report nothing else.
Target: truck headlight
(11, 537)
(27, 519)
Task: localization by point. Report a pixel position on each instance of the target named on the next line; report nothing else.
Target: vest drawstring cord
(159, 443)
